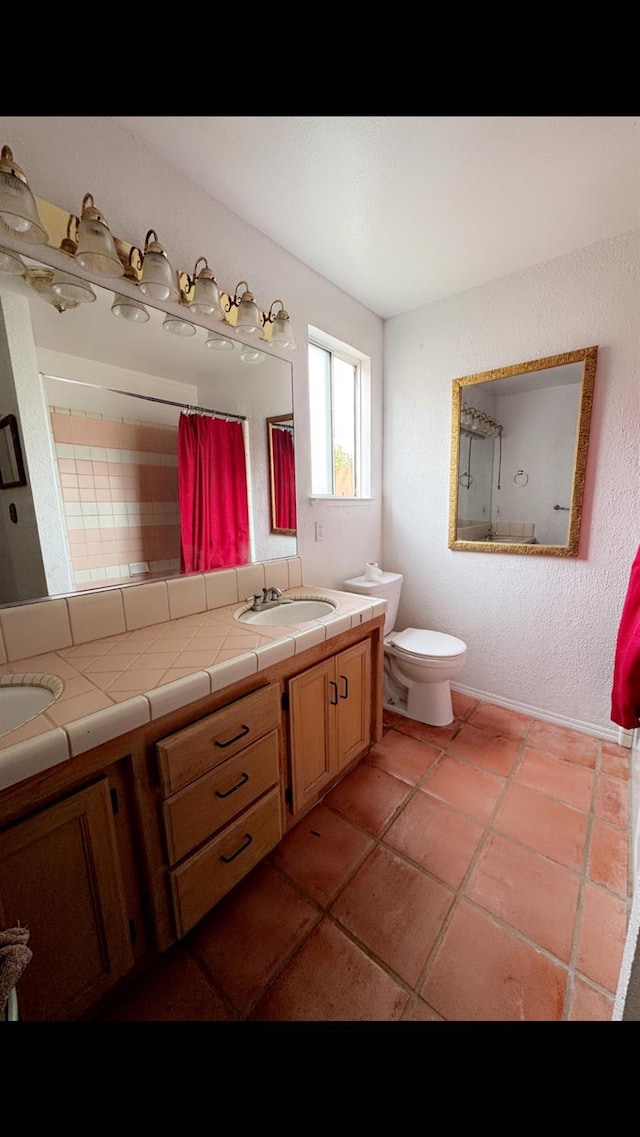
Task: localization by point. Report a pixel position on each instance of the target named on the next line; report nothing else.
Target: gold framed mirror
(519, 442)
(282, 477)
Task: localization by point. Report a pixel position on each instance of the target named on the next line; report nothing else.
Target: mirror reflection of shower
(480, 462)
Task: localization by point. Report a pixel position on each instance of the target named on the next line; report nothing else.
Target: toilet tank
(387, 587)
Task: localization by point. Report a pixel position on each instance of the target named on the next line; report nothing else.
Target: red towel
(625, 694)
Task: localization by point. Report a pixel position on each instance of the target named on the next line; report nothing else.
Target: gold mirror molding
(62, 230)
(519, 443)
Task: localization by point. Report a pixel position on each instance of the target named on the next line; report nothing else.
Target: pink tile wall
(126, 474)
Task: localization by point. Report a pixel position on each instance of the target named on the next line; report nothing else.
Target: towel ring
(521, 478)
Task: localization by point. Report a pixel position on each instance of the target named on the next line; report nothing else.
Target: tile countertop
(115, 684)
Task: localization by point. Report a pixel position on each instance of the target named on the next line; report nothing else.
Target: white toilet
(418, 664)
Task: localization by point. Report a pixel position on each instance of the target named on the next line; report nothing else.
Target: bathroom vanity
(113, 854)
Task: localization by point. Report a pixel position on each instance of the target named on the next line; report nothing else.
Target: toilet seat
(421, 643)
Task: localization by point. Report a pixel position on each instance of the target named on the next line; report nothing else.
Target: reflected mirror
(282, 474)
(98, 384)
(519, 440)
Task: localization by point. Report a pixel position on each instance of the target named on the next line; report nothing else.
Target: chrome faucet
(270, 597)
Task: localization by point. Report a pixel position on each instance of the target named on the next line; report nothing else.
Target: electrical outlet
(319, 531)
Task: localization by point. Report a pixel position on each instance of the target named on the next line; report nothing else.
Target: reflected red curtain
(284, 478)
(212, 493)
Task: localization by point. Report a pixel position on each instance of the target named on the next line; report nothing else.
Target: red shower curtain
(284, 478)
(212, 493)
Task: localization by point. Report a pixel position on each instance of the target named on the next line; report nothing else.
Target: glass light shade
(178, 327)
(71, 289)
(157, 280)
(250, 355)
(206, 296)
(248, 319)
(129, 309)
(10, 263)
(96, 250)
(281, 332)
(219, 343)
(18, 209)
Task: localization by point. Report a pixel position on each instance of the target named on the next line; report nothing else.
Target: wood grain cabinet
(60, 877)
(221, 801)
(329, 720)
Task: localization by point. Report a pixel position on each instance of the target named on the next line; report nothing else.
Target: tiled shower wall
(118, 482)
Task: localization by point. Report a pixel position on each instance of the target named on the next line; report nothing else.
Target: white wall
(540, 631)
(64, 158)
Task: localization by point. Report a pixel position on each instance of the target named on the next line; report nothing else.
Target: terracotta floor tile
(608, 857)
(321, 852)
(493, 751)
(438, 838)
(570, 744)
(388, 719)
(566, 781)
(395, 910)
(546, 825)
(462, 704)
(589, 1005)
(602, 933)
(251, 932)
(535, 896)
(616, 760)
(484, 972)
(332, 980)
(173, 990)
(405, 757)
(473, 791)
(418, 1012)
(612, 800)
(438, 736)
(501, 720)
(368, 797)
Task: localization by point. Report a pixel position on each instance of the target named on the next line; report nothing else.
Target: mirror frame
(272, 421)
(10, 424)
(588, 357)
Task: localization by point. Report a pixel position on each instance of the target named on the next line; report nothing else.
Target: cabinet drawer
(202, 880)
(191, 752)
(194, 813)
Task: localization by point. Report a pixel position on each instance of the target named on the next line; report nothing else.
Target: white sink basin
(22, 697)
(288, 612)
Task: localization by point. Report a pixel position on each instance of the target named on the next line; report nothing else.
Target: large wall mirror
(98, 398)
(519, 440)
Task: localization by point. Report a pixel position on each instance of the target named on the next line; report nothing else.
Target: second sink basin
(288, 612)
(22, 697)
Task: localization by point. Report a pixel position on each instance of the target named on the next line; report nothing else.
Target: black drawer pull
(245, 730)
(334, 702)
(228, 860)
(346, 687)
(243, 780)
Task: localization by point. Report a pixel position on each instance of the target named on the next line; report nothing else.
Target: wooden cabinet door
(60, 877)
(353, 680)
(313, 697)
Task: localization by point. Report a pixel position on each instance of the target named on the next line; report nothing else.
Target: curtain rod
(148, 398)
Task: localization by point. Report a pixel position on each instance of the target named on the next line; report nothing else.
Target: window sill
(343, 498)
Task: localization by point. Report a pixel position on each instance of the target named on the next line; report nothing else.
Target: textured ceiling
(401, 211)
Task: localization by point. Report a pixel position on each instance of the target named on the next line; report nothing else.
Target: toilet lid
(418, 641)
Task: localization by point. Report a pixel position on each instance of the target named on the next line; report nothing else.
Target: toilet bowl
(419, 663)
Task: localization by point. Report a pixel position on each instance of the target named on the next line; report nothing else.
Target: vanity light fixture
(202, 290)
(18, 210)
(281, 332)
(178, 327)
(41, 280)
(129, 309)
(158, 279)
(219, 343)
(10, 263)
(249, 317)
(71, 289)
(95, 247)
(250, 355)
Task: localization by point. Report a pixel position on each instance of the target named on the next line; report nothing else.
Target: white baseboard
(609, 734)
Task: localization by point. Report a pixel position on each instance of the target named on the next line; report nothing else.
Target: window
(339, 417)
